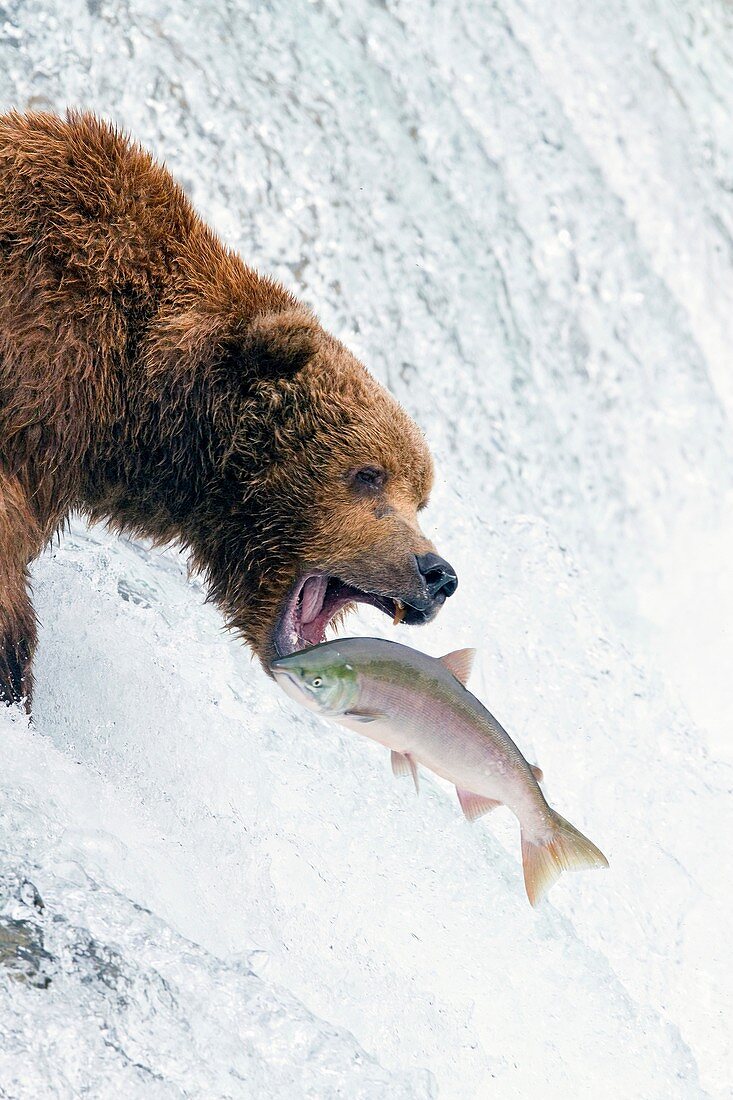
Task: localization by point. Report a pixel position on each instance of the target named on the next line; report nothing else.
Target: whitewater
(519, 215)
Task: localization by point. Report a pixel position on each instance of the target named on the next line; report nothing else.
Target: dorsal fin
(460, 663)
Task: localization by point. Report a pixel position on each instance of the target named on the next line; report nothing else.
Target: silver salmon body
(418, 707)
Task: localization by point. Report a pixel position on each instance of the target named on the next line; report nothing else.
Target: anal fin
(474, 805)
(404, 764)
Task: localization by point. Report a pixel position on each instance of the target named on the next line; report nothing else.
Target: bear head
(317, 492)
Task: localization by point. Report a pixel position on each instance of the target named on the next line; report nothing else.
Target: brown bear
(151, 379)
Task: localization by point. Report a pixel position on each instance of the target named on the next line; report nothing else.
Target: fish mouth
(317, 599)
(288, 680)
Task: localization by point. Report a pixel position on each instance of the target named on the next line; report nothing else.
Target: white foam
(519, 216)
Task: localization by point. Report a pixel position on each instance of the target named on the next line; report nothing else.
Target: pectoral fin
(474, 805)
(363, 715)
(459, 662)
(404, 764)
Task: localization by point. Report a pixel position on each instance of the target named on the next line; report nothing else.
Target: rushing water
(519, 215)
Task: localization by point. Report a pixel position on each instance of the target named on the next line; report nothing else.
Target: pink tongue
(314, 590)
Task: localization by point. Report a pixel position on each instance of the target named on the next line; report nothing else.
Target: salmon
(420, 709)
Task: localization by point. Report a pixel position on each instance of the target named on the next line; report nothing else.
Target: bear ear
(278, 345)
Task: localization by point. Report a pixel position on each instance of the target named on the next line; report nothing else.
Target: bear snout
(438, 575)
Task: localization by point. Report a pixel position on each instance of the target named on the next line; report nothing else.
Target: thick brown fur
(151, 379)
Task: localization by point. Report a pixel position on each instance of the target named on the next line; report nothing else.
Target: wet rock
(22, 954)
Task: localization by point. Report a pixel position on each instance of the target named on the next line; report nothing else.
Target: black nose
(438, 574)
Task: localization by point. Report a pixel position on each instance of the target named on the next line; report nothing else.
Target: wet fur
(149, 378)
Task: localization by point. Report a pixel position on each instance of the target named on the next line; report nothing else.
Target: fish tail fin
(565, 850)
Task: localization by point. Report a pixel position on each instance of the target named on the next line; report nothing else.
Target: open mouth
(316, 600)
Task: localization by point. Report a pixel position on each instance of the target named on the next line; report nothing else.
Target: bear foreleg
(20, 541)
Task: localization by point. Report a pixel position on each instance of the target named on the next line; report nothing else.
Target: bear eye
(369, 478)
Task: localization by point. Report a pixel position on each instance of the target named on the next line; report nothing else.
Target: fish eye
(316, 682)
